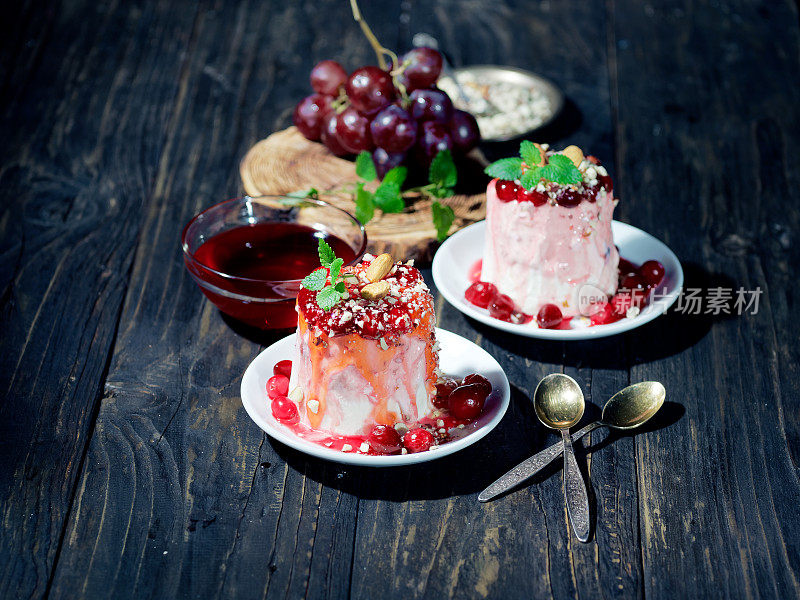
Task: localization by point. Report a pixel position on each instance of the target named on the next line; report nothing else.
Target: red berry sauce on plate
(635, 287)
(459, 405)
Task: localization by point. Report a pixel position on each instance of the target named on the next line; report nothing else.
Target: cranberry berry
(466, 401)
(652, 272)
(549, 317)
(284, 409)
(443, 390)
(283, 367)
(506, 190)
(277, 386)
(537, 198)
(501, 307)
(384, 439)
(475, 379)
(418, 440)
(481, 293)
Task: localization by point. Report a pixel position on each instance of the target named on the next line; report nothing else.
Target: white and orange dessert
(365, 373)
(370, 359)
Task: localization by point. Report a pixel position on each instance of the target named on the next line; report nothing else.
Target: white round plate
(457, 357)
(462, 250)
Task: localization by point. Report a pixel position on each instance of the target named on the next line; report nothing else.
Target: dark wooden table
(128, 467)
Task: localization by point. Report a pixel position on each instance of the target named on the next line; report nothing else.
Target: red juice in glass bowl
(248, 255)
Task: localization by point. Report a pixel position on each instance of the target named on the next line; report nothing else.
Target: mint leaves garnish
(559, 168)
(529, 153)
(388, 197)
(442, 174)
(443, 217)
(505, 168)
(327, 295)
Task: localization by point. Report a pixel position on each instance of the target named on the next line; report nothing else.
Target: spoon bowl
(634, 405)
(558, 401)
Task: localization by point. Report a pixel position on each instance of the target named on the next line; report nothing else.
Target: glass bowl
(249, 255)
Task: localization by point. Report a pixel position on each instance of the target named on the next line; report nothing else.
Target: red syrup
(635, 284)
(261, 261)
(467, 396)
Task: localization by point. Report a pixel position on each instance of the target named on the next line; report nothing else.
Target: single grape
(352, 129)
(329, 136)
(369, 89)
(327, 77)
(393, 129)
(464, 131)
(431, 105)
(308, 115)
(433, 138)
(422, 71)
(386, 161)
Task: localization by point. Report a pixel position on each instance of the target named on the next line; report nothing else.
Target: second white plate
(455, 258)
(457, 357)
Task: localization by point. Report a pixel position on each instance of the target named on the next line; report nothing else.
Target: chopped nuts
(313, 406)
(380, 267)
(296, 395)
(375, 291)
(574, 153)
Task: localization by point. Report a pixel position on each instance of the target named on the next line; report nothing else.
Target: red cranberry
(634, 282)
(626, 267)
(283, 367)
(384, 439)
(652, 271)
(506, 190)
(475, 379)
(605, 315)
(284, 409)
(501, 307)
(466, 401)
(277, 386)
(443, 390)
(569, 198)
(537, 198)
(605, 181)
(481, 293)
(418, 440)
(549, 316)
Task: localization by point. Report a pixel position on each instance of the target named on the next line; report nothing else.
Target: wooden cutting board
(286, 162)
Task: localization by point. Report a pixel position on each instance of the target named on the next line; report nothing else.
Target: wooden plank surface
(129, 468)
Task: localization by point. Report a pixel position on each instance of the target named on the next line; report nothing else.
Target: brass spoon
(628, 408)
(558, 401)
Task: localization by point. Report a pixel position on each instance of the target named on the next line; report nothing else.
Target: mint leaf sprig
(559, 168)
(389, 197)
(329, 295)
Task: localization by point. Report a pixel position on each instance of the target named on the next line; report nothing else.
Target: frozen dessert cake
(548, 244)
(370, 357)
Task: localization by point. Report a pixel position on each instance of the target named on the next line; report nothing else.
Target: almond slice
(380, 267)
(375, 291)
(573, 153)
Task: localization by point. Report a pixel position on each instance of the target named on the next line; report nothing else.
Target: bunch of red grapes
(400, 116)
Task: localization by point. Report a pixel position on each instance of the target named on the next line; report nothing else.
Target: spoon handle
(575, 491)
(530, 466)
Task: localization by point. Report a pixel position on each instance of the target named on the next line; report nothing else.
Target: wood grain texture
(718, 490)
(130, 469)
(286, 162)
(72, 195)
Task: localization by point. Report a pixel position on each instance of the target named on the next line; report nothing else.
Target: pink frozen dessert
(548, 233)
(368, 357)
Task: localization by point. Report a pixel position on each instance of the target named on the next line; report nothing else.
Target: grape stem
(380, 51)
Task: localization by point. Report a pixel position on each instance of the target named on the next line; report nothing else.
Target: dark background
(128, 467)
